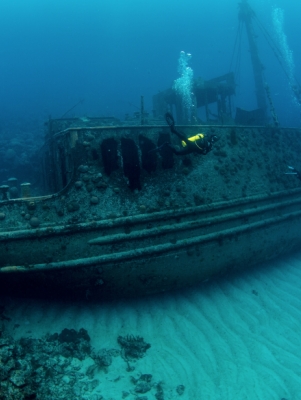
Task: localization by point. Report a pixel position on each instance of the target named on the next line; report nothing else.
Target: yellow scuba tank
(198, 136)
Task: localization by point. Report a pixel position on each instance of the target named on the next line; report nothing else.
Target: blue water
(110, 52)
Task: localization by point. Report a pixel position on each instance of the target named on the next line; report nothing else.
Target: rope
(295, 85)
(275, 48)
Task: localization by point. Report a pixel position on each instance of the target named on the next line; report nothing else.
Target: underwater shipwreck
(123, 215)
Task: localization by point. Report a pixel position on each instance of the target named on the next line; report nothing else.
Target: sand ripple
(231, 339)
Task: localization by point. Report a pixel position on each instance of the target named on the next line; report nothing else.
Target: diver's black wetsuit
(201, 146)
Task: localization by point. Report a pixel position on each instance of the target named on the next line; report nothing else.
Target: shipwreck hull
(195, 219)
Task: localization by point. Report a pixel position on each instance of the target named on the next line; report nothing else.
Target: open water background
(110, 52)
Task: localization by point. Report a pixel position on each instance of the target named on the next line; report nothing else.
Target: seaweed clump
(133, 347)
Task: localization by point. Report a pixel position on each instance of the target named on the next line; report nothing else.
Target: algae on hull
(98, 238)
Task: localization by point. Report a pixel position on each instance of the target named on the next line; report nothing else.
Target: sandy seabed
(232, 339)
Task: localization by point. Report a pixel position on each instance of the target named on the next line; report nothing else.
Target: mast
(245, 15)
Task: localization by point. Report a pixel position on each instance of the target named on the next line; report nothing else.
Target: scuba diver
(293, 172)
(196, 144)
